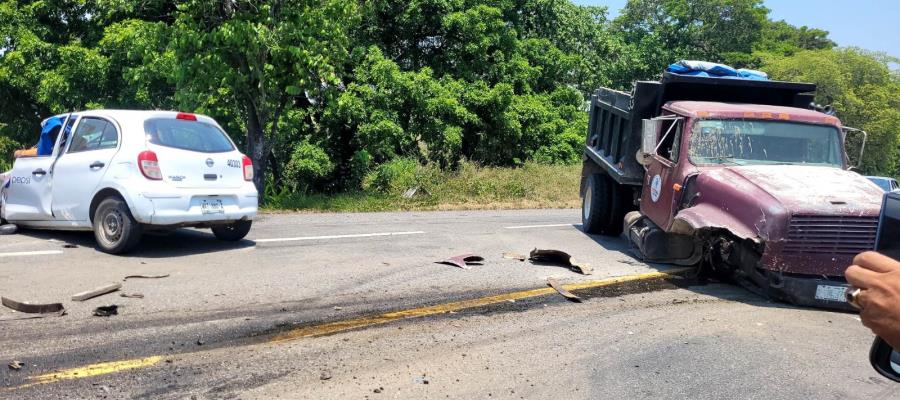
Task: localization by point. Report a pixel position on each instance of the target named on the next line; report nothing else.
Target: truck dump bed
(614, 128)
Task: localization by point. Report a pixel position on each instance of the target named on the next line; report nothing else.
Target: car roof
(713, 109)
(136, 115)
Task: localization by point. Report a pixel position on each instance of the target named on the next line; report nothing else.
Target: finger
(876, 262)
(862, 300)
(861, 277)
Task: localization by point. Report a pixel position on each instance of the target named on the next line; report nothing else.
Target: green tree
(862, 88)
(257, 60)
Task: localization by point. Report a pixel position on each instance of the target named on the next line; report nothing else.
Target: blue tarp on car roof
(714, 70)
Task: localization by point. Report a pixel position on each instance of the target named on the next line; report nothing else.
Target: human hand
(878, 278)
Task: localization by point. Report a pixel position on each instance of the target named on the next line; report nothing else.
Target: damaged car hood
(813, 190)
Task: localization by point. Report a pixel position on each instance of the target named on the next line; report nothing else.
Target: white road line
(540, 226)
(31, 253)
(360, 235)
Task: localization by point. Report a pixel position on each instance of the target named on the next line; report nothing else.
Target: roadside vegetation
(405, 185)
(326, 96)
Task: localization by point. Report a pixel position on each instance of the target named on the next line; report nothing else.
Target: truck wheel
(232, 232)
(115, 229)
(595, 204)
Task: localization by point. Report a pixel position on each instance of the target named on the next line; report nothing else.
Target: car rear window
(187, 135)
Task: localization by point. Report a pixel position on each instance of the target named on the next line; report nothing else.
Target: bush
(394, 176)
(308, 168)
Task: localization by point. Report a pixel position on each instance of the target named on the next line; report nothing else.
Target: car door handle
(39, 172)
(97, 165)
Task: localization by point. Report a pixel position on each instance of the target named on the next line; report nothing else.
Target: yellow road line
(339, 326)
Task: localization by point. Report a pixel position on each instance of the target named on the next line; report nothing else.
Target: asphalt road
(307, 307)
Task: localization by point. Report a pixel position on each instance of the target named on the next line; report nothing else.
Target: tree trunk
(256, 146)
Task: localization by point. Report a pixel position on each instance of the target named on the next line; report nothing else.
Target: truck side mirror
(649, 131)
(885, 359)
(857, 141)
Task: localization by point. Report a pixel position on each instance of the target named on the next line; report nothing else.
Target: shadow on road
(182, 242)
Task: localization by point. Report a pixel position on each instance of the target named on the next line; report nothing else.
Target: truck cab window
(670, 136)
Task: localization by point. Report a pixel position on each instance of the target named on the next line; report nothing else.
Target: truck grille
(831, 235)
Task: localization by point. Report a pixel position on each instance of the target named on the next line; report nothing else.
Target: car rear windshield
(187, 135)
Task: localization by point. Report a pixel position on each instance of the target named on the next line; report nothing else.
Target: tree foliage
(322, 93)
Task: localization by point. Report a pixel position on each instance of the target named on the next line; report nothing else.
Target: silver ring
(852, 296)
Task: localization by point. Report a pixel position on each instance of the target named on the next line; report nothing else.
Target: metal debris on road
(8, 229)
(514, 256)
(132, 295)
(32, 308)
(70, 246)
(559, 257)
(16, 365)
(145, 277)
(463, 261)
(90, 294)
(565, 293)
(106, 311)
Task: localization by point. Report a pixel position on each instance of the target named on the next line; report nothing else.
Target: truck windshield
(749, 142)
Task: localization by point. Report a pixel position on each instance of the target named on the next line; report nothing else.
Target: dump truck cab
(761, 193)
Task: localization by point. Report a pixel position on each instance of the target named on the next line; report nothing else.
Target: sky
(870, 24)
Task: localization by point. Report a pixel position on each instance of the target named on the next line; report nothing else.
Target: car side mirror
(885, 359)
(649, 131)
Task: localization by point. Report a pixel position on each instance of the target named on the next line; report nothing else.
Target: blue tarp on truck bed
(714, 70)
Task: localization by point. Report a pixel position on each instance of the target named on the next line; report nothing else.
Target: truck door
(28, 196)
(658, 191)
(81, 167)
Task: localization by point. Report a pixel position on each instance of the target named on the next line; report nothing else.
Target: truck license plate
(831, 293)
(212, 207)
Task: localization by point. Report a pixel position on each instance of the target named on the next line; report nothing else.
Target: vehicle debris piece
(145, 277)
(132, 295)
(106, 311)
(90, 294)
(411, 192)
(514, 256)
(70, 246)
(463, 260)
(16, 365)
(8, 229)
(559, 257)
(32, 308)
(565, 293)
(31, 316)
(326, 375)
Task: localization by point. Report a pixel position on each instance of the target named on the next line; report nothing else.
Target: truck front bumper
(810, 291)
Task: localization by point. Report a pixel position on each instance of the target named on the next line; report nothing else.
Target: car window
(671, 140)
(94, 134)
(187, 135)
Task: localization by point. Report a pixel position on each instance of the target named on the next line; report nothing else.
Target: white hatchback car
(120, 173)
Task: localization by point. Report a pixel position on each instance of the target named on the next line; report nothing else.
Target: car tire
(604, 205)
(115, 229)
(232, 232)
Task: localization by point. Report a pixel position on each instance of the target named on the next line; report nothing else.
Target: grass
(470, 188)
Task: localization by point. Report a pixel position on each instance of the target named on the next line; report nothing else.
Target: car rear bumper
(183, 207)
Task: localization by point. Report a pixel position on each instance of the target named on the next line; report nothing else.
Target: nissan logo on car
(210, 162)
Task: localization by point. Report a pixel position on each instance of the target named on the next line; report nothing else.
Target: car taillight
(248, 168)
(186, 117)
(149, 165)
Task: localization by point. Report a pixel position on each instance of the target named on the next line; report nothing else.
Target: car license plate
(212, 207)
(831, 293)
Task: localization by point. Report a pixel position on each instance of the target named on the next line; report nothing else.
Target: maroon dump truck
(738, 176)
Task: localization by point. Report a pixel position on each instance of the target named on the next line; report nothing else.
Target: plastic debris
(560, 258)
(16, 365)
(514, 256)
(90, 294)
(32, 308)
(132, 295)
(565, 293)
(145, 277)
(463, 261)
(106, 311)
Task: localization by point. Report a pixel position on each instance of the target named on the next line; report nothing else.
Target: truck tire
(232, 232)
(604, 205)
(115, 229)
